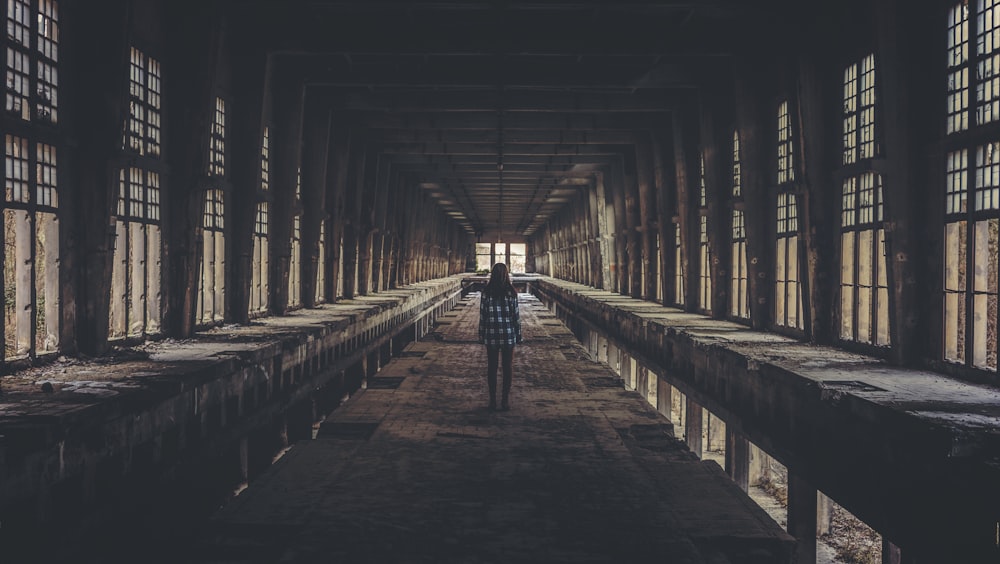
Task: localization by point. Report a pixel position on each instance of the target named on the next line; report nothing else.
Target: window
(484, 259)
(212, 283)
(788, 292)
(705, 251)
(259, 287)
(500, 253)
(321, 264)
(32, 96)
(295, 264)
(972, 220)
(30, 223)
(864, 288)
(518, 260)
(678, 266)
(135, 279)
(739, 295)
(295, 260)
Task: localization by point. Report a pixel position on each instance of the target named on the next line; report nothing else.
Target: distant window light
(786, 168)
(217, 149)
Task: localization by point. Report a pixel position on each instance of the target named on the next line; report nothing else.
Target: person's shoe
(504, 405)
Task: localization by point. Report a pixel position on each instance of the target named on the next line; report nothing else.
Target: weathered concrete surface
(416, 469)
(911, 452)
(84, 443)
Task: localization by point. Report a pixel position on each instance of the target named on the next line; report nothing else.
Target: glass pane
(153, 269)
(780, 278)
(17, 283)
(137, 279)
(116, 314)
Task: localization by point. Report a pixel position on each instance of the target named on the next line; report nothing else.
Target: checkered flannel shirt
(499, 320)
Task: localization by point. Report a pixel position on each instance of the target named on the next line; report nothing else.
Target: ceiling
(504, 110)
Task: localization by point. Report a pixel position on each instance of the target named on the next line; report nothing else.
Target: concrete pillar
(824, 513)
(621, 229)
(661, 151)
(802, 518)
(648, 208)
(760, 466)
(738, 459)
(716, 433)
(693, 428)
(100, 109)
(315, 149)
(756, 149)
(337, 179)
(891, 553)
(663, 393)
(687, 166)
(287, 125)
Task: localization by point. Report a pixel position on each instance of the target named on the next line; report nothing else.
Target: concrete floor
(416, 469)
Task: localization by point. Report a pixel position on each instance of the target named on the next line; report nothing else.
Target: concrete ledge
(910, 452)
(212, 410)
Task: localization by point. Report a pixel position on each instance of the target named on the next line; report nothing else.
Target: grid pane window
(31, 249)
(788, 293)
(32, 96)
(987, 61)
(321, 264)
(864, 288)
(484, 259)
(295, 264)
(518, 258)
(144, 105)
(705, 270)
(786, 168)
(739, 296)
(958, 70)
(217, 141)
(259, 287)
(972, 170)
(212, 282)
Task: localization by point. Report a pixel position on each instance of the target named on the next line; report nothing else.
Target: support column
(649, 208)
(687, 165)
(802, 518)
(663, 393)
(336, 185)
(738, 459)
(693, 428)
(315, 148)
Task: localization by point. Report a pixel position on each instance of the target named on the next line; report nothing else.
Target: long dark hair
(500, 283)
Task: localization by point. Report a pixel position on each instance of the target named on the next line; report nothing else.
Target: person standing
(499, 330)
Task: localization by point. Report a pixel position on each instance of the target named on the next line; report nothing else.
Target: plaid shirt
(499, 320)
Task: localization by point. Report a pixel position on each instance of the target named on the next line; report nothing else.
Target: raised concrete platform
(913, 453)
(134, 445)
(416, 469)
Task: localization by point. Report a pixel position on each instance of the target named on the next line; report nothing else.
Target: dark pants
(493, 352)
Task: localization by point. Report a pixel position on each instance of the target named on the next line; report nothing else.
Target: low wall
(895, 446)
(176, 426)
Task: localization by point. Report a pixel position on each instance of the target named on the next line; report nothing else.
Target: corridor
(414, 468)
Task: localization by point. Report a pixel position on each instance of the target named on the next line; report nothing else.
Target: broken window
(787, 292)
(212, 282)
(864, 288)
(518, 258)
(678, 265)
(259, 275)
(295, 260)
(704, 247)
(321, 264)
(739, 298)
(135, 277)
(971, 231)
